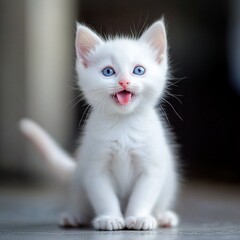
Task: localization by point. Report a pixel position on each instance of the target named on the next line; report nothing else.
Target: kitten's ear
(86, 42)
(156, 37)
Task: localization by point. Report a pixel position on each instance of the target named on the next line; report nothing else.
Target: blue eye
(108, 71)
(139, 70)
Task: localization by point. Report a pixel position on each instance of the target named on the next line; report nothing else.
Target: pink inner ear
(159, 44)
(86, 42)
(155, 36)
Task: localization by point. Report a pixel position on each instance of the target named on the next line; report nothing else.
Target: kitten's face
(121, 75)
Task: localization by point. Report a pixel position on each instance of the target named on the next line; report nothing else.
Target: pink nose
(124, 83)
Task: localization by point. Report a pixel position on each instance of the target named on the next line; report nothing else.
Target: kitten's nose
(124, 83)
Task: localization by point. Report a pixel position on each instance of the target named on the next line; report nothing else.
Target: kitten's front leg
(142, 201)
(105, 203)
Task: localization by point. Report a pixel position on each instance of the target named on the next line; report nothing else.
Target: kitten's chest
(125, 158)
(122, 169)
(125, 143)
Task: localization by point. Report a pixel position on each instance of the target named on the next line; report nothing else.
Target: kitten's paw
(168, 219)
(141, 223)
(67, 220)
(108, 223)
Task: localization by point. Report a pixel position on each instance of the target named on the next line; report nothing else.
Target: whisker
(101, 105)
(172, 108)
(88, 113)
(174, 81)
(81, 99)
(163, 112)
(174, 96)
(72, 100)
(82, 117)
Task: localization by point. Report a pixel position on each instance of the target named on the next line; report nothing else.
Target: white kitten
(125, 172)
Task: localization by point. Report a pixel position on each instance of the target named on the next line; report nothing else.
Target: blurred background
(38, 78)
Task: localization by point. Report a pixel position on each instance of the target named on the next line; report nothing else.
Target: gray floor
(207, 211)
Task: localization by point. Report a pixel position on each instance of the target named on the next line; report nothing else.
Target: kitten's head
(122, 74)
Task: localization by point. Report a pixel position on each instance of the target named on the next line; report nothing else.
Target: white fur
(58, 160)
(125, 174)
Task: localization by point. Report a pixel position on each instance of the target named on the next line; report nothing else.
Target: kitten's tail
(61, 164)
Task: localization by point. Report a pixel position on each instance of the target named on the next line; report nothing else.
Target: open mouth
(123, 97)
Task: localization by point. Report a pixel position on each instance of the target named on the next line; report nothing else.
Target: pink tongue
(124, 97)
